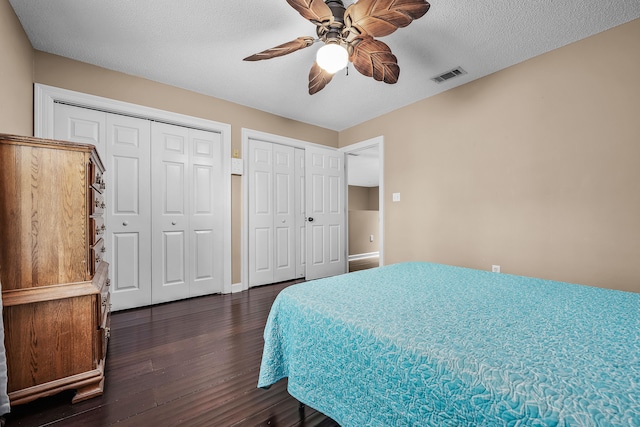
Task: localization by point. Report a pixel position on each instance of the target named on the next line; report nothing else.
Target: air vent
(449, 75)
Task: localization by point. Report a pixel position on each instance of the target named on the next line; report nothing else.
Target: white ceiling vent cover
(458, 71)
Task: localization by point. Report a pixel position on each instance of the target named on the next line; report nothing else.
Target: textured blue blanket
(421, 344)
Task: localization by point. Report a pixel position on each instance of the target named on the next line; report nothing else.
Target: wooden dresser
(55, 289)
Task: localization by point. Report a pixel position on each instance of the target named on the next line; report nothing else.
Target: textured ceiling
(199, 45)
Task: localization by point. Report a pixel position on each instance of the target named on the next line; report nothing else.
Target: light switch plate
(236, 166)
(396, 197)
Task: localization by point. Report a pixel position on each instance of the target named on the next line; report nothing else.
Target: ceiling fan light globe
(332, 57)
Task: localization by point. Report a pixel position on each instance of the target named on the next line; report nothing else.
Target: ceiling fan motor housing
(331, 32)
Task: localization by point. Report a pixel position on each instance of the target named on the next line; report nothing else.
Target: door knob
(173, 223)
(125, 223)
(310, 219)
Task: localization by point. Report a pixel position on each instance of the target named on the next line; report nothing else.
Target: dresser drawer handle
(103, 249)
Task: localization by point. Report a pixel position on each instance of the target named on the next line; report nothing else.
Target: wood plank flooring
(364, 264)
(193, 362)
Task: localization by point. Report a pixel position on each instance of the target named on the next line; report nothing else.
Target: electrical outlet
(396, 197)
(371, 237)
(495, 268)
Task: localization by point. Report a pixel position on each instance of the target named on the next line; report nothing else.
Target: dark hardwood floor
(364, 264)
(193, 363)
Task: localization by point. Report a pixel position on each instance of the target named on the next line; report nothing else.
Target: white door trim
(248, 134)
(46, 96)
(379, 142)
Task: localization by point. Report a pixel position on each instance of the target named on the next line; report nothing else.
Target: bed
(423, 344)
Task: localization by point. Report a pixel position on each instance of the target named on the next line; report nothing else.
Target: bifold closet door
(129, 210)
(164, 216)
(123, 144)
(187, 246)
(272, 219)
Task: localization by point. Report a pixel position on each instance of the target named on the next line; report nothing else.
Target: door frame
(45, 97)
(248, 134)
(377, 141)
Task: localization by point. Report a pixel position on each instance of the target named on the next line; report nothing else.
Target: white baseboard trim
(236, 287)
(363, 256)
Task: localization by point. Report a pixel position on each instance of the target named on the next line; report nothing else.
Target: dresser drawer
(98, 251)
(97, 203)
(97, 229)
(97, 180)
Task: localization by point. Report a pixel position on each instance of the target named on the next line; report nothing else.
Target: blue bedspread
(421, 344)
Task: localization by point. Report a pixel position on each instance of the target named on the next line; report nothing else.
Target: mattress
(422, 344)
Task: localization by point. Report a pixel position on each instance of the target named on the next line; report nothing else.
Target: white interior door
(272, 207)
(260, 174)
(198, 256)
(77, 124)
(326, 212)
(206, 216)
(284, 224)
(170, 219)
(300, 208)
(129, 210)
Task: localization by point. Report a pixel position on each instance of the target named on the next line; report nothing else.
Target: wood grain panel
(42, 349)
(44, 213)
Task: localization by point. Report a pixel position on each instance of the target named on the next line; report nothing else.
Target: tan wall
(81, 77)
(363, 198)
(535, 168)
(358, 198)
(16, 75)
(374, 198)
(362, 225)
(363, 220)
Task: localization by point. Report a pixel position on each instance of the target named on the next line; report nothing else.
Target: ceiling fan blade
(373, 58)
(315, 11)
(380, 18)
(318, 78)
(283, 49)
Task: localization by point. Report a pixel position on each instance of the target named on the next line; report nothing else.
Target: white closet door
(129, 210)
(284, 220)
(300, 234)
(326, 213)
(260, 174)
(77, 124)
(170, 217)
(206, 216)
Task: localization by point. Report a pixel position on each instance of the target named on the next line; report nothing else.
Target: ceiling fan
(350, 33)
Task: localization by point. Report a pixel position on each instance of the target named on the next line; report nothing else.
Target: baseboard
(363, 256)
(236, 287)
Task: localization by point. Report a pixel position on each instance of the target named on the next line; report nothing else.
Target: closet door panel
(206, 248)
(80, 125)
(284, 213)
(129, 210)
(261, 216)
(170, 220)
(299, 213)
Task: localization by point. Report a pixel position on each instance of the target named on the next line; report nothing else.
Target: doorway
(365, 224)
